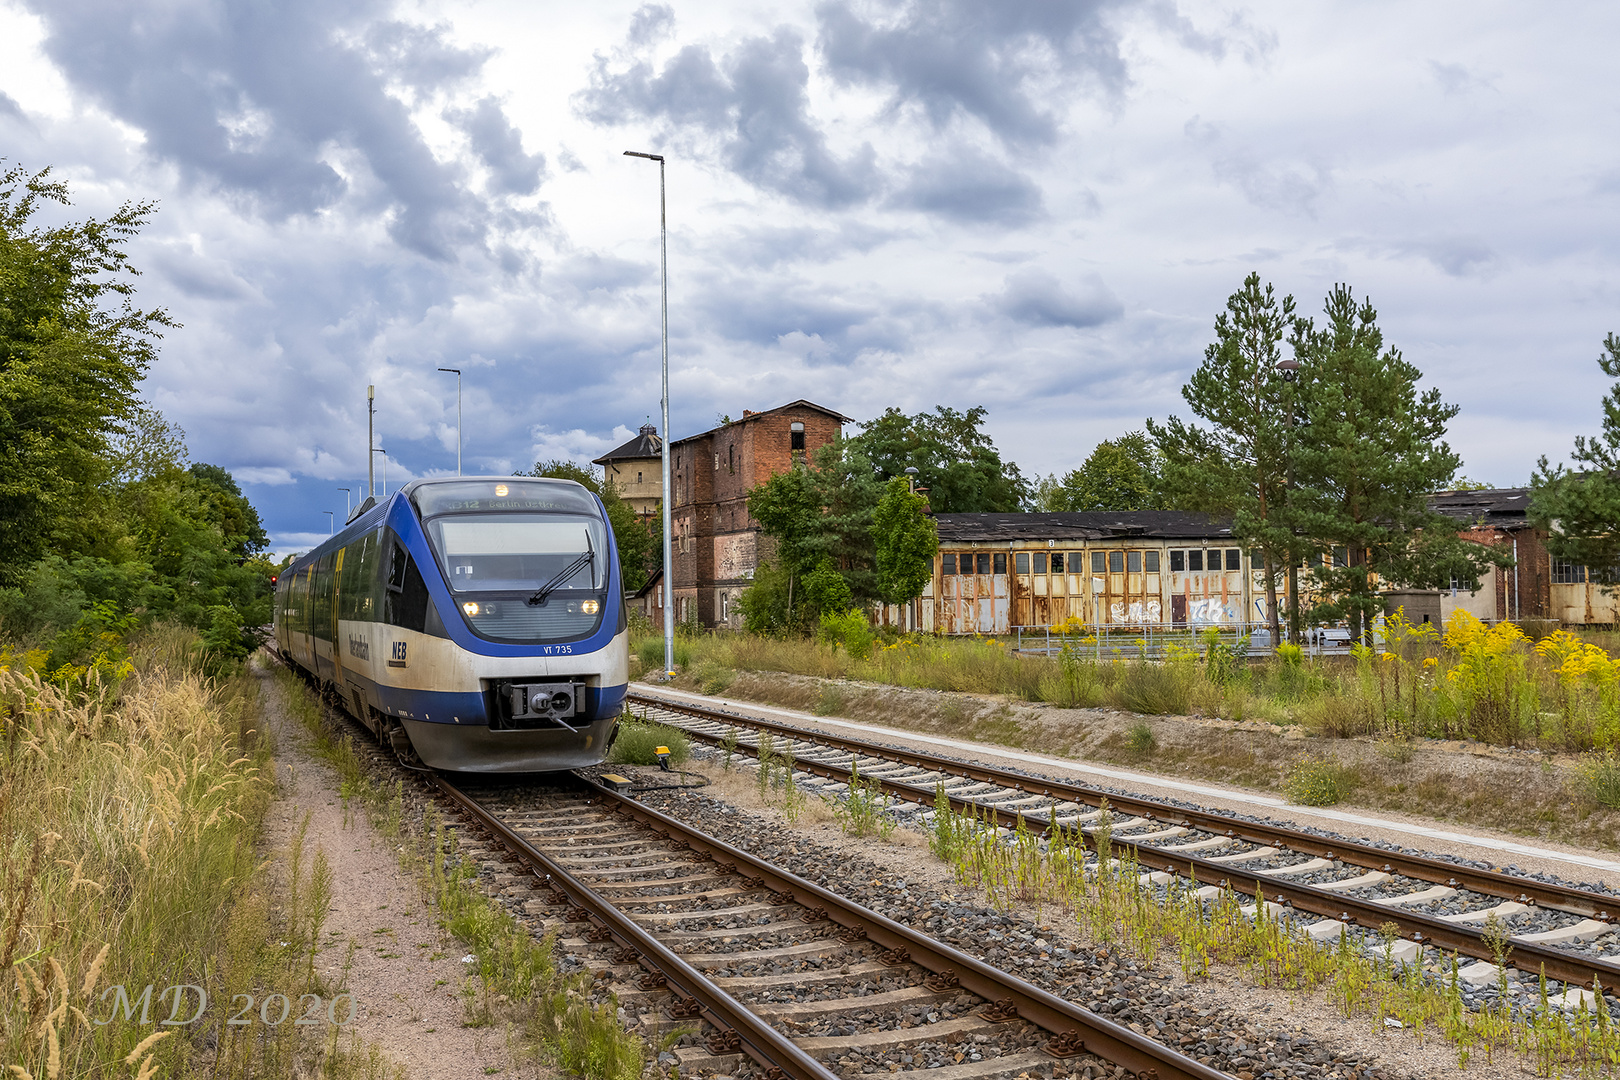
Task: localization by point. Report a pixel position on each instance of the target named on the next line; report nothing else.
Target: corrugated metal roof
(1504, 508)
(1081, 525)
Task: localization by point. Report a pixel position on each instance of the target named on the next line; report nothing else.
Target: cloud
(294, 108)
(969, 186)
(499, 146)
(10, 108)
(1002, 64)
(1455, 79)
(751, 104)
(1036, 298)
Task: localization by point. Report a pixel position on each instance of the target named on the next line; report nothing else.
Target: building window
(795, 436)
(1057, 562)
(1000, 562)
(717, 461)
(1097, 558)
(982, 562)
(1133, 562)
(1195, 562)
(1116, 562)
(1568, 573)
(1021, 563)
(947, 564)
(1150, 561)
(1040, 562)
(1178, 562)
(725, 607)
(638, 477)
(1234, 558)
(731, 458)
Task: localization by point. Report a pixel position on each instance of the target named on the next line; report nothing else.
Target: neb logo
(397, 657)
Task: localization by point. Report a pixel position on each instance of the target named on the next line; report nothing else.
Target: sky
(1037, 206)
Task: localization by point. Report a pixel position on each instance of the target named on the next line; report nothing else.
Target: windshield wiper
(586, 558)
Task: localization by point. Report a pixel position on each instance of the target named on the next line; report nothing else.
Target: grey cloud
(197, 276)
(971, 187)
(763, 312)
(1457, 79)
(499, 146)
(753, 102)
(1037, 298)
(9, 107)
(767, 246)
(651, 24)
(1287, 186)
(287, 106)
(1458, 256)
(1255, 44)
(999, 63)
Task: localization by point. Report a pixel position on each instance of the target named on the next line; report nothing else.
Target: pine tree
(1371, 451)
(1237, 464)
(1580, 507)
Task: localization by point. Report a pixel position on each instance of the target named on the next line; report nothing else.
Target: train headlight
(590, 607)
(470, 607)
(500, 490)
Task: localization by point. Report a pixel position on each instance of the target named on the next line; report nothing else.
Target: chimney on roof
(747, 413)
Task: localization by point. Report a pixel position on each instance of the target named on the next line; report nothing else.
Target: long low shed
(996, 572)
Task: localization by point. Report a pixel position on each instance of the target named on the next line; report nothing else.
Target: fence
(1151, 641)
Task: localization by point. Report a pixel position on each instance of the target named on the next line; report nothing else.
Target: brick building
(716, 543)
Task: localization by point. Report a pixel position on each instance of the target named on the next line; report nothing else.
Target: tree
(1580, 507)
(820, 517)
(954, 459)
(1119, 474)
(73, 346)
(1237, 465)
(906, 541)
(640, 552)
(1371, 452)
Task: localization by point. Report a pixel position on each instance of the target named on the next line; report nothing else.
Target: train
(471, 624)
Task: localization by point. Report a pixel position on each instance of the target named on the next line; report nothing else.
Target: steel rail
(756, 1037)
(1077, 1028)
(1566, 966)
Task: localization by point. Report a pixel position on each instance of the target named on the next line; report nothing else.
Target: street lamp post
(457, 372)
(371, 441)
(663, 282)
(1289, 369)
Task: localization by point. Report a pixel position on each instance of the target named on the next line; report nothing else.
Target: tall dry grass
(130, 819)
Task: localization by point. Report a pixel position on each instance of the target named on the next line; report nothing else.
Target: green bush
(1140, 738)
(852, 630)
(1155, 689)
(638, 743)
(1316, 780)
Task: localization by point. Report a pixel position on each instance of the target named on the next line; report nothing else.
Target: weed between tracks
(1111, 904)
(513, 978)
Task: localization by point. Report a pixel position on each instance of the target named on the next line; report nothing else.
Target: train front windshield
(522, 572)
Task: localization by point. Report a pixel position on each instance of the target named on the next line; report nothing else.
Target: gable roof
(1503, 508)
(646, 444)
(748, 417)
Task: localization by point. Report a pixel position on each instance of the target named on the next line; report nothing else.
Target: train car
(476, 624)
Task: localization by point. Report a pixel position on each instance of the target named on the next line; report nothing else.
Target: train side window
(1040, 562)
(983, 561)
(1234, 558)
(1021, 563)
(1001, 562)
(1195, 561)
(1133, 562)
(947, 564)
(399, 565)
(1097, 564)
(1178, 561)
(1150, 561)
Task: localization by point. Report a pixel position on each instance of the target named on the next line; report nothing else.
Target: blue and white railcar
(478, 622)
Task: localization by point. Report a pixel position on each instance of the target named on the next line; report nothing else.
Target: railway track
(1331, 884)
(679, 917)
